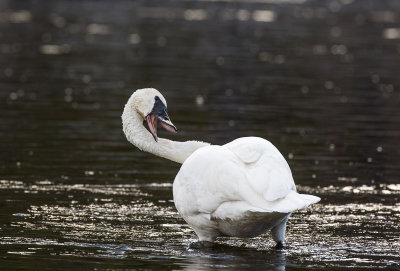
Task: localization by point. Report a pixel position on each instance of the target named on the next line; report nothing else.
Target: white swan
(242, 189)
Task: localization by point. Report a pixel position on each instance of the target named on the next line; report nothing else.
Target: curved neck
(138, 135)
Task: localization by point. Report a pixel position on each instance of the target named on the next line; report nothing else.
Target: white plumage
(242, 189)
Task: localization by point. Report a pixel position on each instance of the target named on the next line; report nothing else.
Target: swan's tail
(308, 199)
(292, 202)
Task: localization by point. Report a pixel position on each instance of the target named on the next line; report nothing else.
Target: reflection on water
(138, 222)
(319, 79)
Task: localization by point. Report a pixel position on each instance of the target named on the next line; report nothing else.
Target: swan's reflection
(235, 258)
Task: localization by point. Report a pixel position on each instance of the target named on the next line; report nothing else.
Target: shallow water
(319, 79)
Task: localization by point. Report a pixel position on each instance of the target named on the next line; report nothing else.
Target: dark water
(319, 79)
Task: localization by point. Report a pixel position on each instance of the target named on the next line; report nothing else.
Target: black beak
(159, 114)
(160, 111)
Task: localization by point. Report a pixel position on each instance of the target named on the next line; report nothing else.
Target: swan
(241, 189)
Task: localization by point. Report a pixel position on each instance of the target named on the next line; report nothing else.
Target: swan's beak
(168, 125)
(159, 114)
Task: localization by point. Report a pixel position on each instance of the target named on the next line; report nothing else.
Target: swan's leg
(206, 239)
(205, 236)
(204, 228)
(278, 233)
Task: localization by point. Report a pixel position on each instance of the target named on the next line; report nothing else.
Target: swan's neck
(138, 135)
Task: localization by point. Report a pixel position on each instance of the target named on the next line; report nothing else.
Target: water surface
(319, 79)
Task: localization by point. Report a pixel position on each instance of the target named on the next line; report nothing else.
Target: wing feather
(267, 171)
(248, 170)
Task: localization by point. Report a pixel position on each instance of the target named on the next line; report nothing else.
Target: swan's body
(242, 189)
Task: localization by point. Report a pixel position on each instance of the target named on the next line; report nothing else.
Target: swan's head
(152, 107)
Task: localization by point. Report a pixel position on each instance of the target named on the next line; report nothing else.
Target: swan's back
(266, 169)
(249, 169)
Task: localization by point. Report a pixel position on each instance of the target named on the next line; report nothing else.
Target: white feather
(243, 188)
